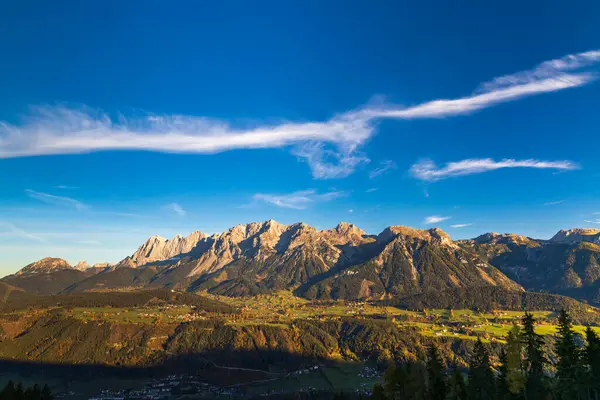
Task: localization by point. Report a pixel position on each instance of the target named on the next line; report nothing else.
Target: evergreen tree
(19, 392)
(533, 364)
(46, 393)
(436, 377)
(405, 382)
(8, 392)
(514, 361)
(378, 393)
(592, 356)
(481, 377)
(457, 389)
(16, 392)
(569, 371)
(416, 388)
(394, 381)
(502, 385)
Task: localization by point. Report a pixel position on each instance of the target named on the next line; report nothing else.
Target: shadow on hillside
(241, 369)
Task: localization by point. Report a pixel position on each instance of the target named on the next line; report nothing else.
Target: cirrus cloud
(56, 200)
(331, 147)
(427, 170)
(460, 225)
(299, 200)
(175, 208)
(434, 219)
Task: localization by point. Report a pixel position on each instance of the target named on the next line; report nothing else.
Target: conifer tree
(378, 393)
(514, 361)
(533, 364)
(481, 377)
(592, 358)
(457, 389)
(502, 386)
(569, 371)
(436, 377)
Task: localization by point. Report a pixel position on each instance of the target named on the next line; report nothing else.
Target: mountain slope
(569, 263)
(411, 262)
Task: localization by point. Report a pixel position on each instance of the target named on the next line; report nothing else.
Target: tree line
(524, 371)
(14, 391)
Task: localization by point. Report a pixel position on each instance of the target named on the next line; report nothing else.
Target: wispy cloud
(55, 200)
(460, 225)
(427, 170)
(553, 203)
(66, 187)
(596, 221)
(90, 242)
(384, 167)
(331, 148)
(434, 219)
(371, 190)
(175, 208)
(11, 230)
(298, 200)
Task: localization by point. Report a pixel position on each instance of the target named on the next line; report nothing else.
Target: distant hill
(488, 298)
(137, 298)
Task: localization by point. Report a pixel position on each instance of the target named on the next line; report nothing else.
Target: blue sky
(124, 120)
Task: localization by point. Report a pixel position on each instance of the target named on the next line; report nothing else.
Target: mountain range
(339, 263)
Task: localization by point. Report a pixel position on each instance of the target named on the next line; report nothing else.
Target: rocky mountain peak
(45, 265)
(577, 235)
(81, 266)
(434, 235)
(157, 248)
(347, 229)
(102, 265)
(503, 238)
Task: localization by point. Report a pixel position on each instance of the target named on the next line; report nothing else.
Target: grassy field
(282, 308)
(134, 315)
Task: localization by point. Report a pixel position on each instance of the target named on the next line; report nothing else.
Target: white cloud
(327, 164)
(434, 219)
(66, 187)
(427, 170)
(460, 225)
(371, 190)
(331, 147)
(597, 221)
(350, 211)
(175, 208)
(384, 167)
(298, 200)
(553, 203)
(55, 200)
(11, 230)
